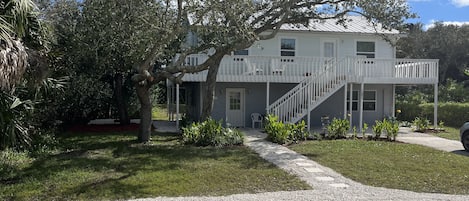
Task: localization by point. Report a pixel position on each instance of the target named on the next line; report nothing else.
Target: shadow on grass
(104, 160)
(461, 152)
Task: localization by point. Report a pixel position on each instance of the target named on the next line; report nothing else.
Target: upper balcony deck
(276, 69)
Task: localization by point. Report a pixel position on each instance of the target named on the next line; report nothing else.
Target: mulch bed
(104, 128)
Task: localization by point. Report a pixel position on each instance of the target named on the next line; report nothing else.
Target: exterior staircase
(310, 93)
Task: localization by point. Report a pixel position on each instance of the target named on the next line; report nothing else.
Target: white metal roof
(354, 24)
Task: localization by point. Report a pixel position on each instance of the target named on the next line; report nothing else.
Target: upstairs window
(366, 49)
(287, 47)
(241, 52)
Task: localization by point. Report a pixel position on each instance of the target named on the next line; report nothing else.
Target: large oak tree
(225, 26)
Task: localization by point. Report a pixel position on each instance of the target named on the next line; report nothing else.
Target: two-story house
(324, 69)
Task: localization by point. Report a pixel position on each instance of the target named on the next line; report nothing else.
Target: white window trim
(358, 100)
(280, 46)
(374, 101)
(248, 49)
(365, 40)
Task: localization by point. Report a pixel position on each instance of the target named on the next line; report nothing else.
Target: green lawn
(449, 133)
(112, 166)
(392, 165)
(160, 111)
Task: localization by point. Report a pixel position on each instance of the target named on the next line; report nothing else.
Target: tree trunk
(121, 103)
(210, 90)
(143, 93)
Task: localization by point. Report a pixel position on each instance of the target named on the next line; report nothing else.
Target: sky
(446, 11)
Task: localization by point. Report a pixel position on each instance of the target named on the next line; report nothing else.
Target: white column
(350, 104)
(267, 100)
(345, 101)
(309, 98)
(393, 100)
(168, 99)
(360, 105)
(177, 106)
(435, 107)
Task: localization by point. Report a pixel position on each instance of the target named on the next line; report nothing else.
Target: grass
(450, 133)
(392, 165)
(160, 111)
(112, 166)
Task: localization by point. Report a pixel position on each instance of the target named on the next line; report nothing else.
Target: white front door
(235, 107)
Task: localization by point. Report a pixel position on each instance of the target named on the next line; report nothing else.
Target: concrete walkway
(407, 136)
(327, 184)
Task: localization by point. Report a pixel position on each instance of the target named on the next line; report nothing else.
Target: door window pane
(329, 49)
(235, 100)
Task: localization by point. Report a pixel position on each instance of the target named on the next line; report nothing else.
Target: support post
(177, 106)
(345, 101)
(267, 100)
(308, 98)
(435, 107)
(360, 105)
(394, 101)
(350, 104)
(168, 99)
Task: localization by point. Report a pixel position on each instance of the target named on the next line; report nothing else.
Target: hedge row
(452, 114)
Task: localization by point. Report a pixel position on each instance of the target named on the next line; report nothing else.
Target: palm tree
(18, 22)
(15, 23)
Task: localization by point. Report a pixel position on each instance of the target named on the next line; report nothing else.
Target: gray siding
(255, 101)
(334, 106)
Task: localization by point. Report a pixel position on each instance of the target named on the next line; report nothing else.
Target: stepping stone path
(317, 176)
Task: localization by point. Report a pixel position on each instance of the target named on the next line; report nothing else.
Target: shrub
(211, 133)
(453, 114)
(377, 129)
(421, 124)
(297, 132)
(338, 128)
(277, 131)
(281, 133)
(391, 128)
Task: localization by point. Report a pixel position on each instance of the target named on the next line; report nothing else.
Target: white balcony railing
(296, 69)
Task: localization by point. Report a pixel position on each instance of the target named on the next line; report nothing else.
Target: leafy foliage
(211, 133)
(444, 42)
(377, 129)
(281, 133)
(391, 128)
(338, 128)
(14, 117)
(421, 124)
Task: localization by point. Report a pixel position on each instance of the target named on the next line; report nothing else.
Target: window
(366, 49)
(235, 100)
(354, 101)
(287, 47)
(369, 101)
(241, 52)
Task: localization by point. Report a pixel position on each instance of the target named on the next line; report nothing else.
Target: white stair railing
(309, 93)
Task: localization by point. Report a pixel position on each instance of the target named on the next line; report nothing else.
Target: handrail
(296, 103)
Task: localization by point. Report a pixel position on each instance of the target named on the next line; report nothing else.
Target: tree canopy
(448, 43)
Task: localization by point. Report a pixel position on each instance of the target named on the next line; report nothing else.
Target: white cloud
(460, 3)
(457, 23)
